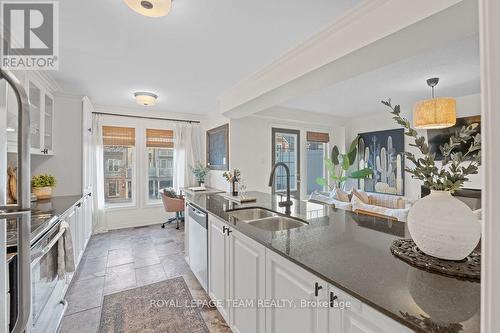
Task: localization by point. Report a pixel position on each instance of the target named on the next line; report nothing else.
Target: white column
(489, 18)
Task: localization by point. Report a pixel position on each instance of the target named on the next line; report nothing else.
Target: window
(113, 165)
(160, 152)
(119, 164)
(316, 153)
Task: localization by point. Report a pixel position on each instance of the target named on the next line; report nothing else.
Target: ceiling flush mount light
(435, 112)
(150, 8)
(145, 98)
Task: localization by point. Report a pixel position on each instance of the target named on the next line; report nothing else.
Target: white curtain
(98, 174)
(187, 153)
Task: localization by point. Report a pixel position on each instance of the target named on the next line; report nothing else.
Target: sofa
(375, 204)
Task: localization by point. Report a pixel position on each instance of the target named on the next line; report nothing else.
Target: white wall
(66, 164)
(215, 178)
(466, 106)
(250, 143)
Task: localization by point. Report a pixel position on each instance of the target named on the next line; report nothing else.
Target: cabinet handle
(317, 288)
(229, 231)
(224, 229)
(333, 297)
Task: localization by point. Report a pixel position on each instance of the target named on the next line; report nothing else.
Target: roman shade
(158, 138)
(318, 137)
(118, 136)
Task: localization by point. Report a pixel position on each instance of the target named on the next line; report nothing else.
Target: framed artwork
(218, 148)
(383, 152)
(438, 137)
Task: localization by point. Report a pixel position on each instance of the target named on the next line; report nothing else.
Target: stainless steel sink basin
(277, 223)
(250, 214)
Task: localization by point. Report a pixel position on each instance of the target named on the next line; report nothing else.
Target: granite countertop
(44, 214)
(352, 252)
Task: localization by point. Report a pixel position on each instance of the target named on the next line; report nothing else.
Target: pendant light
(145, 98)
(150, 8)
(435, 113)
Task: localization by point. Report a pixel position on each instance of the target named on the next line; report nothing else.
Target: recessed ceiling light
(145, 98)
(10, 129)
(150, 8)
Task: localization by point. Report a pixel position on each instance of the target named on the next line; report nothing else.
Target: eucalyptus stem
(449, 177)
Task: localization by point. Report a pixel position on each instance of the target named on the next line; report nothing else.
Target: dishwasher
(198, 244)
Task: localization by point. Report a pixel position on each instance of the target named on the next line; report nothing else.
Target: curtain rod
(143, 117)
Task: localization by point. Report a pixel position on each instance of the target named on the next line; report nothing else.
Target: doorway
(286, 149)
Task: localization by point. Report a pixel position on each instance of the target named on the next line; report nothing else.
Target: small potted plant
(42, 185)
(200, 172)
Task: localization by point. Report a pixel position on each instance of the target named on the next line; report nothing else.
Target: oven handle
(49, 246)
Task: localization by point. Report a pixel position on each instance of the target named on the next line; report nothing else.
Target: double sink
(265, 219)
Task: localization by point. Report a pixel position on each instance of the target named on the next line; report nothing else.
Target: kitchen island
(351, 253)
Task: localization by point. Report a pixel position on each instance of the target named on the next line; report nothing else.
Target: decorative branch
(452, 174)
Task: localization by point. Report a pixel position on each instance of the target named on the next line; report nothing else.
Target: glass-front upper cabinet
(41, 104)
(42, 118)
(35, 99)
(48, 123)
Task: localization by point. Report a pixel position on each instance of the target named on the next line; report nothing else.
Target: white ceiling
(189, 57)
(456, 64)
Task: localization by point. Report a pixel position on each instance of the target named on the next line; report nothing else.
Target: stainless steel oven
(47, 288)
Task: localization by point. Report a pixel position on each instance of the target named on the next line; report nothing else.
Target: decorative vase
(443, 226)
(43, 192)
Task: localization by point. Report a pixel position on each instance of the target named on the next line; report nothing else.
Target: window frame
(140, 176)
(156, 202)
(121, 122)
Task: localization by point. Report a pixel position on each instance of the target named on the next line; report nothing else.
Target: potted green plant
(200, 172)
(338, 167)
(42, 185)
(441, 225)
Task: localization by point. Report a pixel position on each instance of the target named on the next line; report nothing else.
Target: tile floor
(125, 259)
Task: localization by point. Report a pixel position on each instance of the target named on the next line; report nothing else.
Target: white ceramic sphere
(443, 226)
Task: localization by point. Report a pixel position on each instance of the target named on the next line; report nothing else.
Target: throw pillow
(361, 196)
(342, 195)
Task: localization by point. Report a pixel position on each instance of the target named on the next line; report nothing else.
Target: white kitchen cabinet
(285, 282)
(218, 263)
(247, 282)
(346, 314)
(353, 316)
(41, 116)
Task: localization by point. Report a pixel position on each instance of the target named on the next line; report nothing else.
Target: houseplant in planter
(441, 225)
(42, 185)
(200, 172)
(338, 166)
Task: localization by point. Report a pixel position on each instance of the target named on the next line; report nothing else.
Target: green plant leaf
(354, 144)
(335, 155)
(360, 174)
(345, 162)
(352, 156)
(321, 181)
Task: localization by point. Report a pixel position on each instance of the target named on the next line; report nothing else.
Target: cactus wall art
(383, 152)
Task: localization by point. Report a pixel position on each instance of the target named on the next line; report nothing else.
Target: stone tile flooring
(125, 259)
